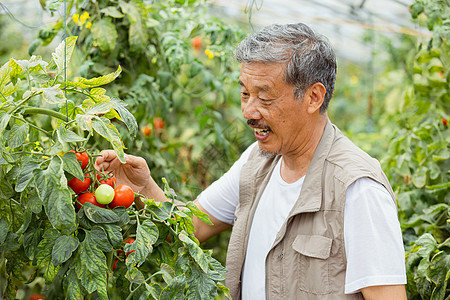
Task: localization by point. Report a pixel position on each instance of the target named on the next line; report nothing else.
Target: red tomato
(197, 42)
(146, 130)
(158, 123)
(87, 197)
(36, 297)
(82, 157)
(130, 241)
(115, 264)
(444, 121)
(108, 179)
(123, 196)
(79, 186)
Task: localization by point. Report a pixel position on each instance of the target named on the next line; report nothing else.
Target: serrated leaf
(175, 290)
(114, 233)
(4, 119)
(73, 286)
(125, 115)
(25, 175)
(146, 236)
(63, 249)
(98, 237)
(68, 136)
(92, 270)
(72, 166)
(110, 133)
(18, 135)
(112, 12)
(98, 214)
(3, 230)
(64, 50)
(94, 82)
(439, 273)
(195, 251)
(200, 214)
(104, 34)
(5, 70)
(56, 198)
(45, 247)
(99, 109)
(53, 95)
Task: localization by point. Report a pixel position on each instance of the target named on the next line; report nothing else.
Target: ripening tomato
(36, 297)
(82, 157)
(197, 42)
(114, 267)
(158, 123)
(79, 186)
(123, 196)
(87, 197)
(108, 179)
(146, 130)
(444, 121)
(130, 241)
(104, 194)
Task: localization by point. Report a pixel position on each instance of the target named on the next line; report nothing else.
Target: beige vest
(307, 259)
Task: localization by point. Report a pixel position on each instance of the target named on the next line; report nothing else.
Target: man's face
(268, 103)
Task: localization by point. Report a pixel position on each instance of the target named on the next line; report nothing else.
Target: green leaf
(3, 230)
(195, 251)
(73, 286)
(125, 115)
(99, 109)
(175, 290)
(439, 273)
(53, 95)
(55, 196)
(18, 135)
(4, 119)
(200, 214)
(68, 136)
(98, 214)
(146, 236)
(91, 268)
(419, 178)
(45, 247)
(64, 50)
(112, 12)
(25, 175)
(5, 71)
(136, 35)
(104, 34)
(98, 237)
(110, 133)
(94, 82)
(114, 233)
(63, 249)
(31, 239)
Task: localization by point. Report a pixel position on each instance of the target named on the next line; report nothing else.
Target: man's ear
(315, 96)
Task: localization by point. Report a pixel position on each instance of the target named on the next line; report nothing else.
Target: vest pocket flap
(316, 246)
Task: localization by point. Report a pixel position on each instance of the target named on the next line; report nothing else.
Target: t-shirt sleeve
(373, 238)
(222, 196)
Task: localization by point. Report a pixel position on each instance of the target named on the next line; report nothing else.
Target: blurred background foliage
(180, 81)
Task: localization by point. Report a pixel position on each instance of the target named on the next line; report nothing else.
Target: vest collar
(310, 197)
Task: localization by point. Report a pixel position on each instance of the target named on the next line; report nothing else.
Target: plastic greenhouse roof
(343, 22)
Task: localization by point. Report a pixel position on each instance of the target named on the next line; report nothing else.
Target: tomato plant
(44, 115)
(123, 196)
(87, 197)
(79, 186)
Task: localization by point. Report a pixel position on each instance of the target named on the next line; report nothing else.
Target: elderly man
(313, 216)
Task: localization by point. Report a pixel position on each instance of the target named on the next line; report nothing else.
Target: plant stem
(32, 125)
(24, 100)
(48, 112)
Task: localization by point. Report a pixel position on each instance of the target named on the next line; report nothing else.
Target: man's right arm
(205, 231)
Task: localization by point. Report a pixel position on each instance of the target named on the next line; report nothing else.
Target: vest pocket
(312, 263)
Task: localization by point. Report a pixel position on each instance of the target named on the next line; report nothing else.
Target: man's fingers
(104, 159)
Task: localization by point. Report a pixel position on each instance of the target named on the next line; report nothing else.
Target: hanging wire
(249, 10)
(9, 14)
(65, 58)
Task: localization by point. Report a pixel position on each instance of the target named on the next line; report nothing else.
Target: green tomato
(104, 194)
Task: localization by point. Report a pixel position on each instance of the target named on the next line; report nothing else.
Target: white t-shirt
(372, 235)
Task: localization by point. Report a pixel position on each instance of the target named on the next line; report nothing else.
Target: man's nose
(250, 109)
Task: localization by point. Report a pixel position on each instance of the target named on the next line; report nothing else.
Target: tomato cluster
(101, 192)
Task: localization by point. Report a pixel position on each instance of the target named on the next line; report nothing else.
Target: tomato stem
(48, 112)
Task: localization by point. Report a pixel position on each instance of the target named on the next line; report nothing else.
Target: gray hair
(309, 57)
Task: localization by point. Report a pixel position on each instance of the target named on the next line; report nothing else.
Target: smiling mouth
(262, 132)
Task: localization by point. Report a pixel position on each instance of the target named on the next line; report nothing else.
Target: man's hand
(134, 172)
